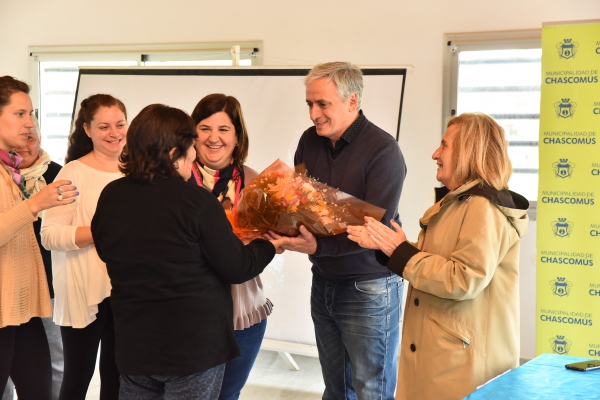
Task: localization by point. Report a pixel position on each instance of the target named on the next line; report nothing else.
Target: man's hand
(304, 243)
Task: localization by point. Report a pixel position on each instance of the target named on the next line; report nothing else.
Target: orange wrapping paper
(281, 199)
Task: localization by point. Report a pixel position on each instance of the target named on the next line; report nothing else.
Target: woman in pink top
(24, 296)
(222, 148)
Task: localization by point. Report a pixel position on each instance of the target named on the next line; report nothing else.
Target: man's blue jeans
(357, 331)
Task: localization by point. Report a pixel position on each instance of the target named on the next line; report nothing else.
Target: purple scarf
(11, 161)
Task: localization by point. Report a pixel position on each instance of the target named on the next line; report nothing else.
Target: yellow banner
(568, 214)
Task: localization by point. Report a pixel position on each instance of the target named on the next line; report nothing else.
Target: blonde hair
(36, 127)
(347, 77)
(480, 151)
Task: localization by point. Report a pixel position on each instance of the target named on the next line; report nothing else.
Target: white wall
(304, 33)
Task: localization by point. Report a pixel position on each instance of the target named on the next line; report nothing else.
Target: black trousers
(80, 348)
(25, 357)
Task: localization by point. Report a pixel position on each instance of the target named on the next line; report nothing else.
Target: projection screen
(276, 115)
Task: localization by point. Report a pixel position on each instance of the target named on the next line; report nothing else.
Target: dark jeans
(357, 331)
(25, 357)
(238, 369)
(80, 348)
(201, 386)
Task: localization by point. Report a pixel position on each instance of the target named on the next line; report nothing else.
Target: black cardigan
(49, 176)
(171, 257)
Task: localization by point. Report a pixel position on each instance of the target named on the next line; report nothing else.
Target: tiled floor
(270, 379)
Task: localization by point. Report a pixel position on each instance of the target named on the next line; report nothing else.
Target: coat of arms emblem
(563, 168)
(562, 227)
(567, 49)
(560, 344)
(565, 108)
(561, 287)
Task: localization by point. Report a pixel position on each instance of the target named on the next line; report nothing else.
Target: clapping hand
(362, 236)
(375, 235)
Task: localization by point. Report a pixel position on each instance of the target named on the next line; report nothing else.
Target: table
(544, 377)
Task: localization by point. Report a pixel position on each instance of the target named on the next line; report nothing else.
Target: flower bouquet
(281, 199)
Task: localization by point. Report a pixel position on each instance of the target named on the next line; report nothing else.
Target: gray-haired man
(355, 301)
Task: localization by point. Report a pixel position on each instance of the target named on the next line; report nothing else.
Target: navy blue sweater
(371, 167)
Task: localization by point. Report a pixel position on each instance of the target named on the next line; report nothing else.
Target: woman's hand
(361, 235)
(387, 240)
(278, 243)
(58, 193)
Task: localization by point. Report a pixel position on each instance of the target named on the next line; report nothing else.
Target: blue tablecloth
(544, 377)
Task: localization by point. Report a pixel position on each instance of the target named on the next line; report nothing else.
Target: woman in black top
(171, 256)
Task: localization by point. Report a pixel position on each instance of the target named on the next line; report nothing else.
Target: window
(54, 71)
(58, 81)
(502, 79)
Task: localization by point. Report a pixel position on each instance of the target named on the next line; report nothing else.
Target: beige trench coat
(461, 321)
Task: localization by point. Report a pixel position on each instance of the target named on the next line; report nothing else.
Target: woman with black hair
(171, 256)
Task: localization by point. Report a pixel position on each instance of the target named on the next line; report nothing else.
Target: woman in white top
(81, 283)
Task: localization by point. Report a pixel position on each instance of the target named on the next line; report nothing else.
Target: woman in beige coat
(461, 324)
